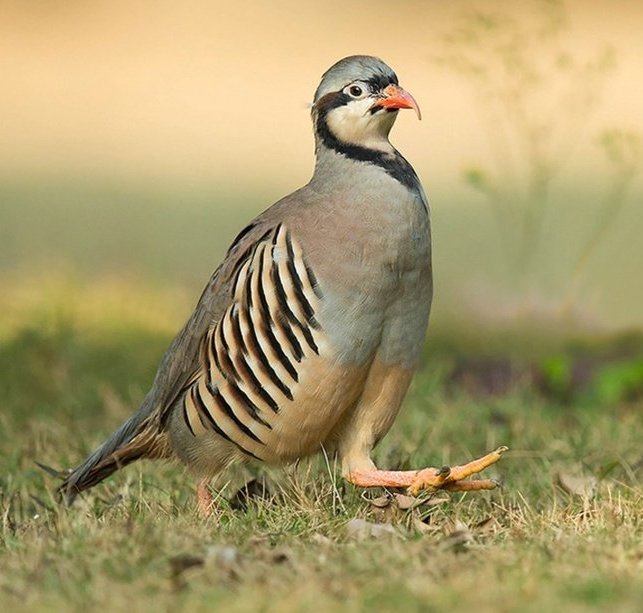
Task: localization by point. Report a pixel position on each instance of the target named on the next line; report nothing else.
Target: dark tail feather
(138, 437)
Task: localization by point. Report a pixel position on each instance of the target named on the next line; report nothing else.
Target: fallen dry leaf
(434, 501)
(381, 502)
(577, 485)
(423, 527)
(404, 503)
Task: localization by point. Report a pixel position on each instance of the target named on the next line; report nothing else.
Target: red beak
(398, 98)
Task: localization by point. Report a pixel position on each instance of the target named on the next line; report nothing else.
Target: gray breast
(377, 288)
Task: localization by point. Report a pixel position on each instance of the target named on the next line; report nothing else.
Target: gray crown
(355, 68)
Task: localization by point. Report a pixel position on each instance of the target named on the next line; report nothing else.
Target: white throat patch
(354, 123)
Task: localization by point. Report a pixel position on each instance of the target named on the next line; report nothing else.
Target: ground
(564, 533)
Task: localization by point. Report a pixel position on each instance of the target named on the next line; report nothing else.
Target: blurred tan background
(137, 137)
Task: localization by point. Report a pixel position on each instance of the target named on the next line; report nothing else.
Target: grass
(75, 360)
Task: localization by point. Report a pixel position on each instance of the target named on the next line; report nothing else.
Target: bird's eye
(355, 91)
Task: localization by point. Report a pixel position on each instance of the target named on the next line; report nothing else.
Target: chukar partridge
(307, 335)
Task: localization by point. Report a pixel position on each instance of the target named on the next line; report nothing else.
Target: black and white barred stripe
(252, 357)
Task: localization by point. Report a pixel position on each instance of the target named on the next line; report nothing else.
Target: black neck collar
(394, 164)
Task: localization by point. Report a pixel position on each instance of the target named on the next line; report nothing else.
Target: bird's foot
(453, 478)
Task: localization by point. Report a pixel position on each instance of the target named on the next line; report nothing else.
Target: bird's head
(356, 104)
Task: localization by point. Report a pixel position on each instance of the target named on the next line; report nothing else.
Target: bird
(307, 335)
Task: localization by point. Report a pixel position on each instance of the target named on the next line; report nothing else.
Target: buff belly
(321, 400)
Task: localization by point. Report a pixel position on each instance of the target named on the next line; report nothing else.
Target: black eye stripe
(332, 101)
(373, 85)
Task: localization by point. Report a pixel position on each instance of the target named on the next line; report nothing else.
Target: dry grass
(69, 374)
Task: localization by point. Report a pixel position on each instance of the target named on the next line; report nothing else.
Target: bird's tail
(138, 437)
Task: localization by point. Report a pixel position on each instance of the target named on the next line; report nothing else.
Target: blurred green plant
(602, 372)
(535, 97)
(618, 382)
(624, 152)
(557, 373)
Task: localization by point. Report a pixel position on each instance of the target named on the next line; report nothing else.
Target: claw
(456, 478)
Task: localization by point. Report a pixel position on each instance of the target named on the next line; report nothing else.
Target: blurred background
(137, 138)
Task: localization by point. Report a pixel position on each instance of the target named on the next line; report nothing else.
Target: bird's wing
(181, 360)
(140, 435)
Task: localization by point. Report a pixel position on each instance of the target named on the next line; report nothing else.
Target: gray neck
(334, 163)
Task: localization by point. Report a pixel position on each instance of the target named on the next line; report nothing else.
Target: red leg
(204, 500)
(451, 478)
